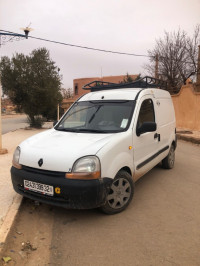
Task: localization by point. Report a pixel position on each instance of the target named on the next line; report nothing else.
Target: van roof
(124, 94)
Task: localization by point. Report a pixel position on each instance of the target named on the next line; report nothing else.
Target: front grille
(43, 172)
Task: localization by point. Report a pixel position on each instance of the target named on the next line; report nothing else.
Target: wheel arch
(174, 143)
(126, 169)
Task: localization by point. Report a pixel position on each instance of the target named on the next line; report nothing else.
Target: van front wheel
(120, 194)
(168, 161)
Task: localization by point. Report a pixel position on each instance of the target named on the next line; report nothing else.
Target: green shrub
(36, 121)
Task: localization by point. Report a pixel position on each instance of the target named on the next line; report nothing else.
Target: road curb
(189, 138)
(9, 219)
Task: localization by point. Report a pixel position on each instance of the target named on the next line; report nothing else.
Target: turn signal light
(83, 176)
(16, 165)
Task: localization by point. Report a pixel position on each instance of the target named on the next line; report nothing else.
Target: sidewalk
(9, 199)
(5, 116)
(188, 135)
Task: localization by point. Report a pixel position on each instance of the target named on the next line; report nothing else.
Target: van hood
(59, 150)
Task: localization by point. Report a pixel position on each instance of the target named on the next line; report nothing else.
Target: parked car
(102, 145)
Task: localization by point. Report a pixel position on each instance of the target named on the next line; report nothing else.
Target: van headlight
(85, 168)
(16, 156)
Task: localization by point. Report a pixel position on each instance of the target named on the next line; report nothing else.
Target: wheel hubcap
(171, 157)
(119, 194)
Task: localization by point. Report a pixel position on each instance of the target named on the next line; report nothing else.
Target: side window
(146, 113)
(76, 89)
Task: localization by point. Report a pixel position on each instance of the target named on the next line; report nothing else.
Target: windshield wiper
(65, 129)
(91, 130)
(82, 130)
(93, 116)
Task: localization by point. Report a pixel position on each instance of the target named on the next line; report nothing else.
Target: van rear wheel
(168, 161)
(120, 194)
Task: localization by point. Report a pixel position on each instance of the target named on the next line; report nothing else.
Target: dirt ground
(33, 224)
(160, 227)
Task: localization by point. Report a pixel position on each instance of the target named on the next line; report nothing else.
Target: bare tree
(177, 56)
(192, 46)
(128, 78)
(67, 93)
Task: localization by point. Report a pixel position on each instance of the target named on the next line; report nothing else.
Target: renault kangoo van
(101, 146)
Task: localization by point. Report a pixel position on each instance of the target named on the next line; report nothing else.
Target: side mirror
(146, 127)
(54, 123)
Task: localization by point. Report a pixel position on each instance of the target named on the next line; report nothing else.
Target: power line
(93, 49)
(84, 47)
(89, 48)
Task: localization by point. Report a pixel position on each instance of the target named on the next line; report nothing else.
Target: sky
(120, 25)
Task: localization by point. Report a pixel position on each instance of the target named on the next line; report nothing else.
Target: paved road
(160, 227)
(13, 123)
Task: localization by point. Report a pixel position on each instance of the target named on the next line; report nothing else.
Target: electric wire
(91, 48)
(81, 46)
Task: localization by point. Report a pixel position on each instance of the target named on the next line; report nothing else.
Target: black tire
(169, 160)
(120, 194)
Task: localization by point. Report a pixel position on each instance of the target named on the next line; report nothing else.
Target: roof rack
(145, 82)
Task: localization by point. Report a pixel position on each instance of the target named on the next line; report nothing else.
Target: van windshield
(98, 117)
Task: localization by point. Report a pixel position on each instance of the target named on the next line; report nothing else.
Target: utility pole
(2, 151)
(58, 112)
(6, 36)
(58, 106)
(156, 67)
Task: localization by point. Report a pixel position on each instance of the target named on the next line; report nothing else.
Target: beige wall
(187, 108)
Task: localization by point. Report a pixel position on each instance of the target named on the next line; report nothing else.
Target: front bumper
(74, 194)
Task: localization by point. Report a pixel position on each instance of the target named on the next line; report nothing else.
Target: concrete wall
(66, 103)
(187, 108)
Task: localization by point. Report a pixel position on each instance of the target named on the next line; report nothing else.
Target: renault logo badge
(40, 162)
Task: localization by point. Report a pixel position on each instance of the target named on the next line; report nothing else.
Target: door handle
(157, 136)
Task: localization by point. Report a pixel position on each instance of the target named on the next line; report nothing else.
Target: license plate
(38, 187)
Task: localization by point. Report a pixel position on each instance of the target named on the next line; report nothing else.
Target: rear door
(146, 146)
(166, 123)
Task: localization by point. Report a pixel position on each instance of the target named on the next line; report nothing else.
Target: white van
(106, 141)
